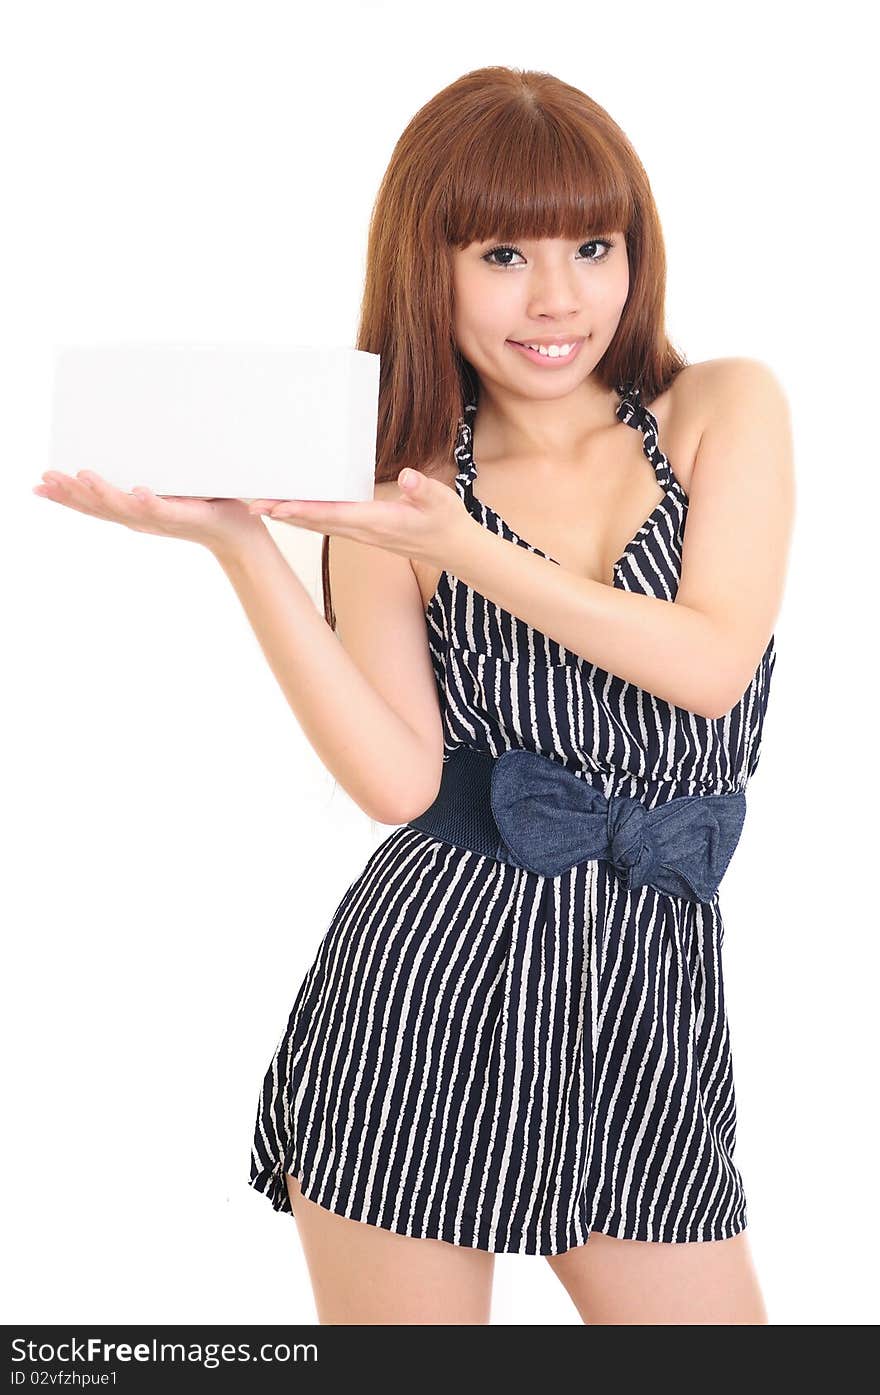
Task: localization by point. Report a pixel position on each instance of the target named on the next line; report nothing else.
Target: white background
(174, 849)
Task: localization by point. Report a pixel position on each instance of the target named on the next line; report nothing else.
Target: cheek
(462, 329)
(622, 290)
(497, 311)
(468, 305)
(481, 320)
(612, 298)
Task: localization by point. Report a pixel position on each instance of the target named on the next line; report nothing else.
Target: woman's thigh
(361, 1273)
(647, 1281)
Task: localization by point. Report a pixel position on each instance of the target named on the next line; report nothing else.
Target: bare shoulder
(745, 455)
(740, 516)
(424, 576)
(357, 568)
(702, 390)
(355, 565)
(385, 489)
(712, 397)
(351, 556)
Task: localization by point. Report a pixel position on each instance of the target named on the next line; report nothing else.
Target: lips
(547, 360)
(548, 343)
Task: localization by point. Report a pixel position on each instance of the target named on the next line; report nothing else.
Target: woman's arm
(372, 715)
(700, 651)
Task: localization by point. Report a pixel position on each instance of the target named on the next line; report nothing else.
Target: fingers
(89, 493)
(262, 505)
(79, 493)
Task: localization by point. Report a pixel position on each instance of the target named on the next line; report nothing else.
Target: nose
(556, 294)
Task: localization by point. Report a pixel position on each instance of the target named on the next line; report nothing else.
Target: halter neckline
(630, 409)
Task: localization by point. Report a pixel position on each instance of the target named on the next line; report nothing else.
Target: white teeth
(554, 350)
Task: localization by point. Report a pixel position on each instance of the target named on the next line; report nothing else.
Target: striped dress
(508, 1061)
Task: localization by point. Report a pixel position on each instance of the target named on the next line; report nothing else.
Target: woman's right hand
(217, 524)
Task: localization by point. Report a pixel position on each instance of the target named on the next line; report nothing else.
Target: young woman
(546, 658)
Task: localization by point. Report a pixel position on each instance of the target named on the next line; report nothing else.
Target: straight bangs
(531, 177)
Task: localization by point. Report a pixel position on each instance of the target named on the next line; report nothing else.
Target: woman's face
(533, 291)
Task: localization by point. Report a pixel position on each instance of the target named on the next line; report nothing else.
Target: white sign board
(218, 421)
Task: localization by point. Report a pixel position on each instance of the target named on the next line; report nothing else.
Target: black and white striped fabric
(503, 1060)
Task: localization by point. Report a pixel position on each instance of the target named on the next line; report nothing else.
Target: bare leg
(362, 1274)
(613, 1281)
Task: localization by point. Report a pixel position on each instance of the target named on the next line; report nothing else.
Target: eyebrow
(591, 232)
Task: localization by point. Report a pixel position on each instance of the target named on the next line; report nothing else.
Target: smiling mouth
(560, 352)
(546, 343)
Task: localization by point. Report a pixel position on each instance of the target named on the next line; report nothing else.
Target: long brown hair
(508, 153)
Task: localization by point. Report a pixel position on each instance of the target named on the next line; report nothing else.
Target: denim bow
(550, 820)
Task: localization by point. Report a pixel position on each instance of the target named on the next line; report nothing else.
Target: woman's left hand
(424, 523)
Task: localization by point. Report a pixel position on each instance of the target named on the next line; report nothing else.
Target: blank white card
(219, 421)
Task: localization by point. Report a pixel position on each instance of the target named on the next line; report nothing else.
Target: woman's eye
(499, 251)
(594, 242)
